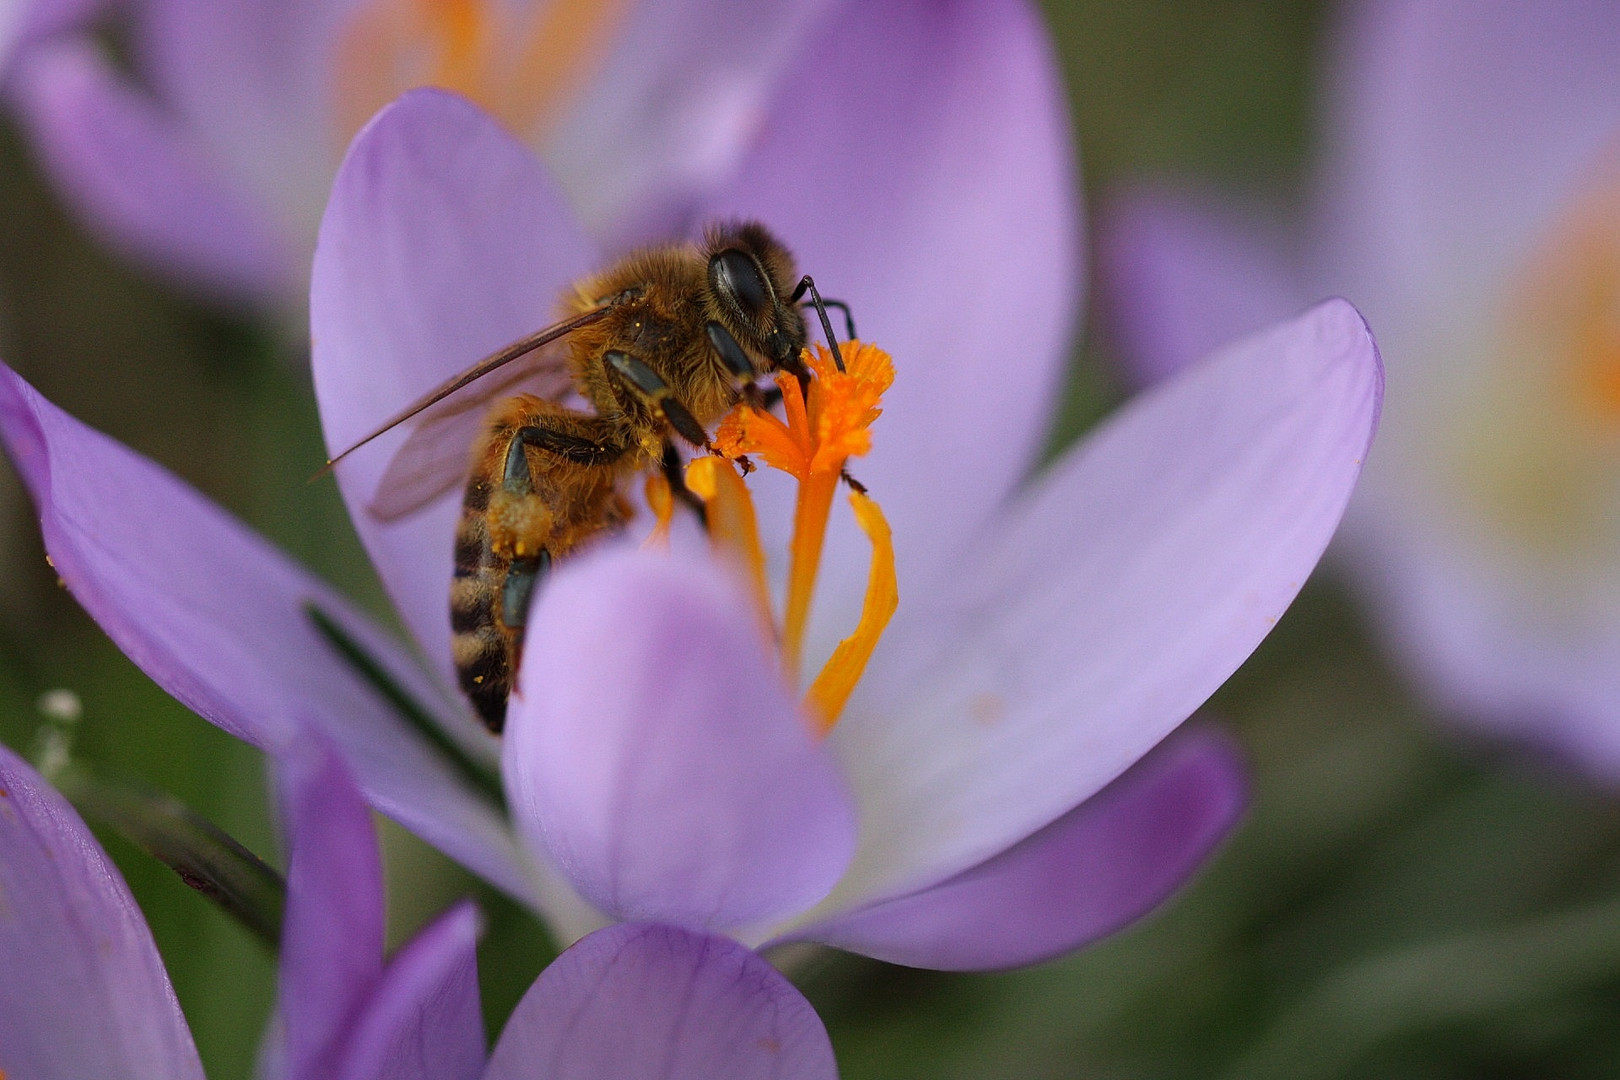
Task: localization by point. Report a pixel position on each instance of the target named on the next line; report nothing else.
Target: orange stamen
(819, 435)
(662, 503)
(804, 561)
(829, 693)
(733, 528)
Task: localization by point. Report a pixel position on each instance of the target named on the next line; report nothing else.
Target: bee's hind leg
(521, 578)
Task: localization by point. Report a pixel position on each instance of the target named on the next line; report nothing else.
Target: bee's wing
(428, 463)
(434, 458)
(521, 347)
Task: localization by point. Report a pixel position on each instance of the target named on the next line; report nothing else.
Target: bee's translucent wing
(435, 457)
(499, 359)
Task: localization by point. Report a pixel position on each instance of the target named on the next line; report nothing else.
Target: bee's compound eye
(736, 279)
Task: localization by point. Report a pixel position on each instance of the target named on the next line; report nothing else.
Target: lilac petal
(443, 240)
(84, 993)
(676, 105)
(1095, 870)
(947, 218)
(35, 20)
(1485, 650)
(648, 1002)
(332, 936)
(254, 79)
(1181, 279)
(141, 180)
(1116, 595)
(1460, 127)
(424, 1022)
(216, 616)
(653, 752)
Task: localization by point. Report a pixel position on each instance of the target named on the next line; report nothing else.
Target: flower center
(518, 61)
(823, 430)
(1533, 446)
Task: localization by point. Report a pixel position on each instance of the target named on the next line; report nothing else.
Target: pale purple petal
(216, 616)
(1484, 646)
(639, 1002)
(1459, 127)
(1092, 872)
(11, 26)
(332, 935)
(674, 107)
(652, 751)
(83, 992)
(1114, 597)
(1180, 279)
(443, 240)
(918, 162)
(255, 80)
(142, 179)
(424, 1021)
(39, 19)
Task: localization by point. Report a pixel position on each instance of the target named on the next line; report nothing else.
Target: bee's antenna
(807, 284)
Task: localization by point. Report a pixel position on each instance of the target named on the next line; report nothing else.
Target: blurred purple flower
(212, 158)
(1470, 199)
(973, 808)
(85, 993)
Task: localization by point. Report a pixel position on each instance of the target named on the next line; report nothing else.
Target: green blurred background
(1399, 903)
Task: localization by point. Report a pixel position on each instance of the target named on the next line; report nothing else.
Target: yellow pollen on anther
(821, 432)
(519, 61)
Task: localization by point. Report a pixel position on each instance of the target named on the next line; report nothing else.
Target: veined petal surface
(1116, 594)
(680, 98)
(652, 749)
(1090, 873)
(948, 220)
(218, 618)
(424, 1020)
(647, 1002)
(332, 936)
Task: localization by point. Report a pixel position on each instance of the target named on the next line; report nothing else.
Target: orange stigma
(821, 433)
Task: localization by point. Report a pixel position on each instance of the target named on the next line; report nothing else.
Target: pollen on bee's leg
(516, 521)
(831, 689)
(662, 503)
(733, 529)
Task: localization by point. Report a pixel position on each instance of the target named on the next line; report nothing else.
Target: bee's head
(751, 282)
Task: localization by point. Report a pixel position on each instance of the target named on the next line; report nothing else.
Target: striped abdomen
(484, 646)
(530, 500)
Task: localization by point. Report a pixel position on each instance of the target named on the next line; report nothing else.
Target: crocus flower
(1470, 198)
(974, 805)
(211, 159)
(85, 993)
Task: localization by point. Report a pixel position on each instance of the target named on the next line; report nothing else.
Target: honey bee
(659, 345)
